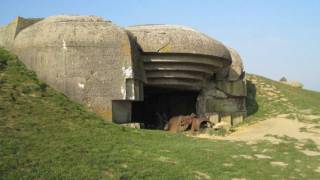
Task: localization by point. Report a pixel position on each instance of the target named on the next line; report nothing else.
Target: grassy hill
(43, 135)
(267, 98)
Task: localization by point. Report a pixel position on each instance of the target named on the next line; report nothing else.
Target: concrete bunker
(132, 74)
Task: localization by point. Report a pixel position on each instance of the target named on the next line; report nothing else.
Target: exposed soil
(273, 128)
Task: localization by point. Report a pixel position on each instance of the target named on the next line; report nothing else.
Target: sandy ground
(275, 129)
(278, 126)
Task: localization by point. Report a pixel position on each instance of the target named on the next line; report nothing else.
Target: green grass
(43, 135)
(260, 107)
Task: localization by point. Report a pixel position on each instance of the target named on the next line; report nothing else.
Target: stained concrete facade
(109, 68)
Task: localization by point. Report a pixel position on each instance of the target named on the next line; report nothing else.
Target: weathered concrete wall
(7, 34)
(178, 57)
(10, 31)
(226, 93)
(87, 58)
(177, 39)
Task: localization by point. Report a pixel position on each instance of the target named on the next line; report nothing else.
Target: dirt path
(269, 128)
(274, 126)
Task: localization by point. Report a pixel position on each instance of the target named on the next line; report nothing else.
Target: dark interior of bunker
(160, 104)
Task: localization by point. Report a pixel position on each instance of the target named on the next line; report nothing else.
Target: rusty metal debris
(185, 123)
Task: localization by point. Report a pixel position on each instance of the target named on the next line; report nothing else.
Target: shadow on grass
(251, 103)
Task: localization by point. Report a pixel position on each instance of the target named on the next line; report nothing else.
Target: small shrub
(251, 102)
(26, 90)
(310, 145)
(12, 96)
(2, 80)
(283, 79)
(29, 88)
(291, 116)
(43, 87)
(303, 129)
(3, 63)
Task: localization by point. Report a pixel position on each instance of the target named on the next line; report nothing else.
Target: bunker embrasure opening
(160, 104)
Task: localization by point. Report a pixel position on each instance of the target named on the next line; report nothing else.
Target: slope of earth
(43, 135)
(279, 113)
(268, 98)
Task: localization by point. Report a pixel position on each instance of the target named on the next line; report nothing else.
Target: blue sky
(275, 38)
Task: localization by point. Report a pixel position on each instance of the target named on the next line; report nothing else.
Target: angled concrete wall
(226, 92)
(87, 58)
(179, 57)
(10, 31)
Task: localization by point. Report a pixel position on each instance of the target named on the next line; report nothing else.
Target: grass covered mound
(268, 98)
(43, 135)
